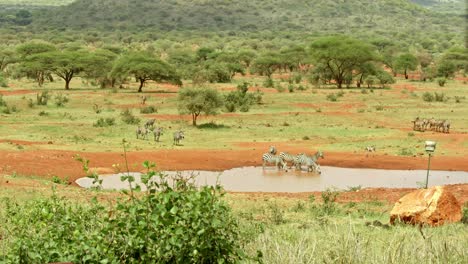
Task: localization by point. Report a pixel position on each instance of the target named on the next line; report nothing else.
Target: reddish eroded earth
(17, 92)
(49, 163)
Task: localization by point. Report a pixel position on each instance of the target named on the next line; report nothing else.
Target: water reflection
(255, 179)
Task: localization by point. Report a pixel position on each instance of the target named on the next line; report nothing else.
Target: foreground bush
(172, 222)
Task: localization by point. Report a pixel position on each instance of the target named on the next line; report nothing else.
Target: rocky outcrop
(434, 206)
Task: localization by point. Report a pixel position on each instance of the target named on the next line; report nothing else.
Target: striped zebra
(157, 132)
(309, 162)
(178, 136)
(272, 150)
(287, 157)
(370, 148)
(269, 158)
(142, 133)
(304, 159)
(150, 123)
(446, 126)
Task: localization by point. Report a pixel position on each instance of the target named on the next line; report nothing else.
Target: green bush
(3, 81)
(291, 88)
(428, 97)
(42, 98)
(241, 99)
(441, 81)
(104, 122)
(61, 100)
(148, 110)
(128, 117)
(173, 222)
(269, 83)
(332, 97)
(2, 102)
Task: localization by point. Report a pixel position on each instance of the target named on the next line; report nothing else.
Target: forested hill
(342, 16)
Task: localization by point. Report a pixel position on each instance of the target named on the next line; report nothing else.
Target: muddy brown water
(256, 179)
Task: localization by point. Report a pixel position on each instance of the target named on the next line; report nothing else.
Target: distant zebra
(272, 150)
(309, 162)
(268, 158)
(446, 126)
(150, 123)
(157, 132)
(178, 136)
(370, 148)
(143, 132)
(287, 157)
(419, 124)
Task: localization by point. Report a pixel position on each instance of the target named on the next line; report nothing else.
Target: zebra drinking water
(304, 159)
(287, 157)
(157, 132)
(269, 158)
(178, 136)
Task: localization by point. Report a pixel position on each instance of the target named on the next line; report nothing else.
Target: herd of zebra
(423, 124)
(157, 132)
(298, 161)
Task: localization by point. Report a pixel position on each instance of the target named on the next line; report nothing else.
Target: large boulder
(434, 206)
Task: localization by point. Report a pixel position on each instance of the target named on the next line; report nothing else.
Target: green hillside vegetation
(26, 3)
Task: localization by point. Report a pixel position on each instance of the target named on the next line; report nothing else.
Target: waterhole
(257, 179)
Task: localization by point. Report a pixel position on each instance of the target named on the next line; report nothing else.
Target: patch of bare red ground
(17, 92)
(341, 106)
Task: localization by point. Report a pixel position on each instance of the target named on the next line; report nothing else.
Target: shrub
(276, 214)
(332, 97)
(42, 98)
(97, 108)
(297, 78)
(128, 117)
(241, 99)
(428, 97)
(30, 103)
(458, 99)
(61, 100)
(406, 152)
(43, 113)
(340, 94)
(148, 110)
(440, 97)
(2, 102)
(3, 81)
(269, 83)
(280, 88)
(379, 107)
(104, 122)
(175, 222)
(291, 88)
(441, 81)
(301, 87)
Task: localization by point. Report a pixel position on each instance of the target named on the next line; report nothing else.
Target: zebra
(446, 126)
(272, 150)
(302, 158)
(287, 157)
(269, 158)
(432, 123)
(143, 132)
(150, 123)
(157, 132)
(309, 162)
(419, 124)
(178, 136)
(370, 148)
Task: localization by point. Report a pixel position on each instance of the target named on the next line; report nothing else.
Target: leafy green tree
(7, 56)
(406, 62)
(145, 67)
(195, 101)
(266, 64)
(29, 63)
(98, 66)
(246, 57)
(446, 68)
(339, 56)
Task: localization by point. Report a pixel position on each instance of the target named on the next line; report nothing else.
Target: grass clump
(42, 98)
(332, 97)
(104, 122)
(148, 109)
(128, 117)
(61, 100)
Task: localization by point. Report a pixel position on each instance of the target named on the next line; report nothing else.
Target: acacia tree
(7, 56)
(195, 101)
(30, 65)
(340, 55)
(267, 64)
(145, 67)
(99, 66)
(406, 62)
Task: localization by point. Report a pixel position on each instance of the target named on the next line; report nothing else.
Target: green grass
(36, 2)
(337, 127)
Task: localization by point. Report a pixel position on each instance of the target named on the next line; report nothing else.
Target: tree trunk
(406, 75)
(358, 84)
(194, 119)
(142, 82)
(67, 84)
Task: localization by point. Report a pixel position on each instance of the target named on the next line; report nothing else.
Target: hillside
(28, 3)
(276, 15)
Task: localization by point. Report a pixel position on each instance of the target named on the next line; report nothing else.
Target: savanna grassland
(79, 78)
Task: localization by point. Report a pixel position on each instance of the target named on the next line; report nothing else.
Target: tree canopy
(340, 56)
(195, 101)
(145, 67)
